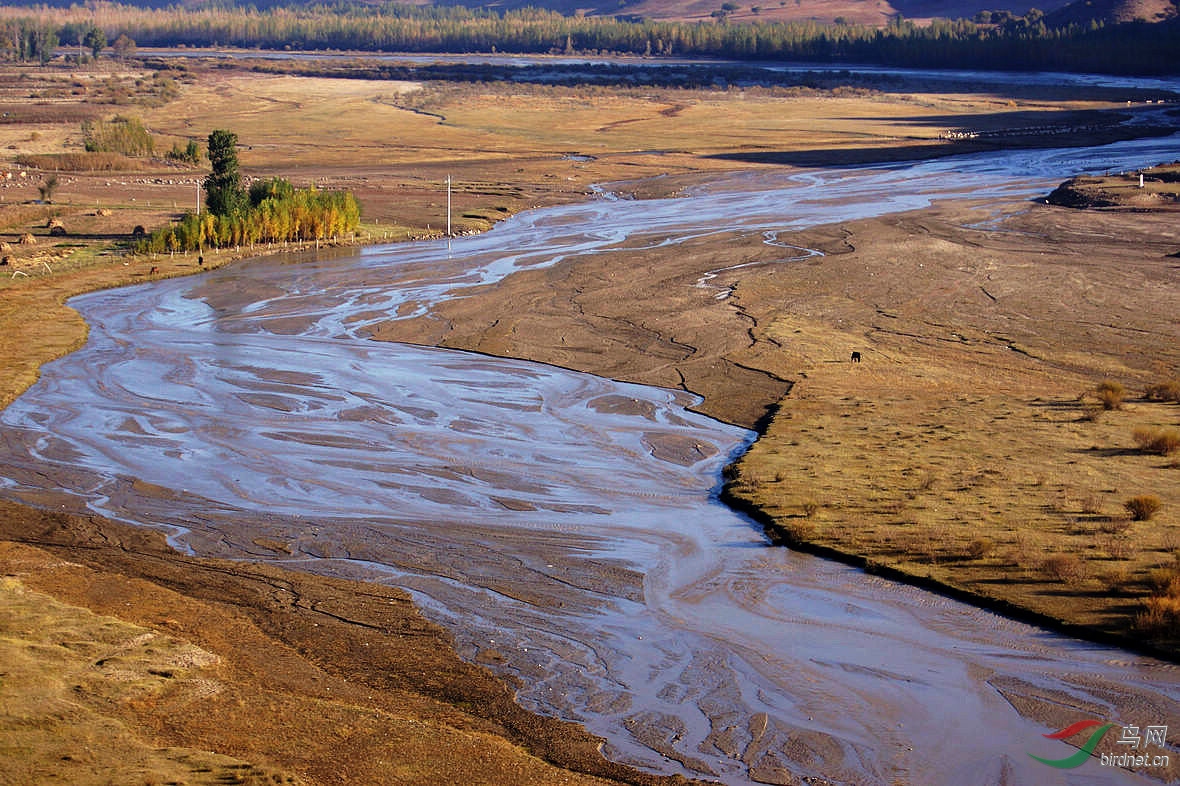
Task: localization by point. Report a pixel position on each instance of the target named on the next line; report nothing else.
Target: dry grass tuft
(80, 162)
(1091, 505)
(1115, 525)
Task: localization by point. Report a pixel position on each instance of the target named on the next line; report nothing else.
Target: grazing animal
(200, 261)
(153, 271)
(855, 357)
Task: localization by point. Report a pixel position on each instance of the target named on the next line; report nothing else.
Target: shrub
(1168, 390)
(1143, 507)
(1157, 440)
(980, 548)
(190, 154)
(1111, 394)
(1092, 504)
(47, 188)
(1162, 578)
(1116, 580)
(1064, 567)
(798, 530)
(1114, 525)
(1162, 610)
(1161, 615)
(1117, 547)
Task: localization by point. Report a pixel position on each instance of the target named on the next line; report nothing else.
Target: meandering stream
(564, 526)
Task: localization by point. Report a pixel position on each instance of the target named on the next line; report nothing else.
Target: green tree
(96, 39)
(276, 188)
(223, 188)
(42, 41)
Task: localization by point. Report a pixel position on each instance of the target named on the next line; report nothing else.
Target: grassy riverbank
(984, 336)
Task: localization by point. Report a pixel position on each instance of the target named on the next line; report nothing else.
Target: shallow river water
(564, 526)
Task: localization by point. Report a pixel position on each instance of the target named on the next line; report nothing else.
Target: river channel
(565, 526)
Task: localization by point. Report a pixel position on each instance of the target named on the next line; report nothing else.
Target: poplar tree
(223, 187)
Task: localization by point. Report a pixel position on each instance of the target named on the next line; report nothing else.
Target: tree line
(997, 40)
(269, 211)
(26, 39)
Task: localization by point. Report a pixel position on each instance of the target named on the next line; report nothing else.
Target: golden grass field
(965, 450)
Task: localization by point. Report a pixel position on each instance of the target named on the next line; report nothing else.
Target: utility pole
(448, 205)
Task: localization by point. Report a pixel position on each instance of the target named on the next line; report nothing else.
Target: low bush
(1161, 614)
(1066, 568)
(189, 154)
(980, 548)
(1111, 394)
(1143, 507)
(1091, 504)
(1161, 441)
(1169, 390)
(1114, 525)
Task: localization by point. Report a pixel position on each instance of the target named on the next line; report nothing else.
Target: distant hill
(862, 12)
(1116, 11)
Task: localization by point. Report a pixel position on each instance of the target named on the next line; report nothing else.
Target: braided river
(565, 527)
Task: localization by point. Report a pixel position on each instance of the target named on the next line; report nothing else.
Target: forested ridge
(994, 41)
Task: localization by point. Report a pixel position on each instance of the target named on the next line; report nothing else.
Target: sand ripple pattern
(561, 524)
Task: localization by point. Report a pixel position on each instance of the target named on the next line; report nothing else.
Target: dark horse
(855, 357)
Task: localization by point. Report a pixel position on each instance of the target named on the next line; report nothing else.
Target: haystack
(27, 239)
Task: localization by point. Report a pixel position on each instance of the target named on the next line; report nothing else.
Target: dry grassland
(970, 447)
